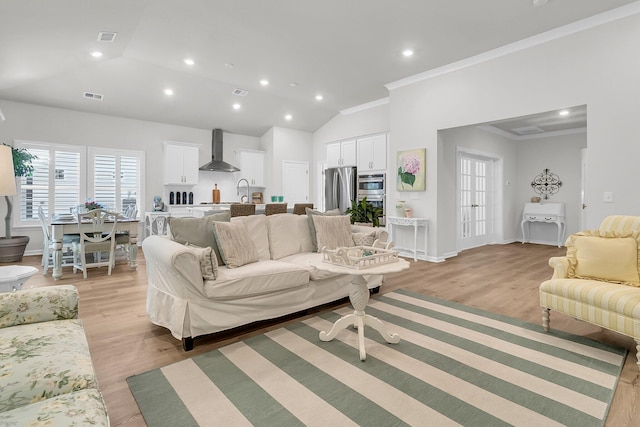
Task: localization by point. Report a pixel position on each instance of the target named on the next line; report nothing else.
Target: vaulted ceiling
(345, 51)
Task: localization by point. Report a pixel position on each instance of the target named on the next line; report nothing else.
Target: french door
(474, 207)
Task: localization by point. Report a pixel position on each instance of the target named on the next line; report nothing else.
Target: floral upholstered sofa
(46, 374)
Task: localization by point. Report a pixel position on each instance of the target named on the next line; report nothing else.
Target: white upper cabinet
(372, 153)
(251, 163)
(341, 154)
(181, 162)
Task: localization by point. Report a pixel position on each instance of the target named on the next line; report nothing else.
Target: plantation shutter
(115, 182)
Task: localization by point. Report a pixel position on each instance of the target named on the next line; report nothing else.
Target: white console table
(416, 223)
(543, 212)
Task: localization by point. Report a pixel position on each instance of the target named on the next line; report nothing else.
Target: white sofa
(281, 282)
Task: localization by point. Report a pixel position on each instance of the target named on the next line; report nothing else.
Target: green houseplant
(364, 212)
(12, 247)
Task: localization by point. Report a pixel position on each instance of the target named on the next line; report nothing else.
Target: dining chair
(300, 208)
(47, 243)
(97, 230)
(275, 208)
(122, 238)
(242, 209)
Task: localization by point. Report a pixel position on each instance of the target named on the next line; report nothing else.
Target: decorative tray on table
(359, 257)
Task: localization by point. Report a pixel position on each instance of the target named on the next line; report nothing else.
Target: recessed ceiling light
(189, 61)
(229, 65)
(564, 113)
(407, 52)
(288, 117)
(293, 84)
(319, 97)
(168, 92)
(96, 54)
(236, 106)
(539, 3)
(264, 82)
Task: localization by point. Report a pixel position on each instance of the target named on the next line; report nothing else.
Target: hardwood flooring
(498, 278)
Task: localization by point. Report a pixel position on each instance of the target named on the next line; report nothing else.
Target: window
(115, 177)
(67, 175)
(57, 181)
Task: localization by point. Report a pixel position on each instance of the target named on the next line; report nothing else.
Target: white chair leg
(45, 259)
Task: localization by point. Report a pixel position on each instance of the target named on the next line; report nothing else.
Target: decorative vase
(408, 212)
(400, 206)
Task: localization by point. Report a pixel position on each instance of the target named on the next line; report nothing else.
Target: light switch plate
(608, 197)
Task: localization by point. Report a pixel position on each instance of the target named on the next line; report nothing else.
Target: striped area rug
(454, 365)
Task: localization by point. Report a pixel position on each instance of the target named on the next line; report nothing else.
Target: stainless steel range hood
(216, 164)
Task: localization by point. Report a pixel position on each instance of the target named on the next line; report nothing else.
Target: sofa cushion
(333, 231)
(208, 261)
(305, 260)
(253, 279)
(312, 228)
(51, 357)
(235, 244)
(79, 408)
(607, 256)
(197, 231)
(257, 227)
(288, 234)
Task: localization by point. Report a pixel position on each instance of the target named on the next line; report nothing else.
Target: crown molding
(365, 106)
(556, 33)
(541, 135)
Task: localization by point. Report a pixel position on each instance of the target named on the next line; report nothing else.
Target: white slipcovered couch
(281, 282)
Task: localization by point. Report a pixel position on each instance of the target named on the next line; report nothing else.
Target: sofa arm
(560, 267)
(36, 305)
(381, 233)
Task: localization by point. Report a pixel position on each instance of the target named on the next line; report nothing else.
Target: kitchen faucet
(238, 190)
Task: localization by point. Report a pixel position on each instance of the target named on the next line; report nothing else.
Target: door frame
(495, 194)
(285, 164)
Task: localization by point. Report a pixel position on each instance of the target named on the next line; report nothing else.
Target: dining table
(68, 224)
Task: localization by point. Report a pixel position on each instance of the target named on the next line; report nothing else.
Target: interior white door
(295, 181)
(474, 209)
(583, 189)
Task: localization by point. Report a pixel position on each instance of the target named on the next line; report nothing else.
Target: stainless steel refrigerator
(340, 187)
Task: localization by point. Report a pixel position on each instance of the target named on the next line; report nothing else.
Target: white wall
(598, 67)
(37, 123)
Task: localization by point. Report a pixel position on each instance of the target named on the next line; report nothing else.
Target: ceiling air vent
(528, 130)
(94, 96)
(240, 92)
(106, 36)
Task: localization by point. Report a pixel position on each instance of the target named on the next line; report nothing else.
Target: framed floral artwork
(412, 168)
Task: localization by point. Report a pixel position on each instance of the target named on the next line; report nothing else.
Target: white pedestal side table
(410, 222)
(12, 277)
(359, 297)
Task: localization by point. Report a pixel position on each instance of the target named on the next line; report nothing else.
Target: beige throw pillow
(198, 231)
(332, 231)
(312, 227)
(606, 256)
(235, 244)
(363, 239)
(208, 261)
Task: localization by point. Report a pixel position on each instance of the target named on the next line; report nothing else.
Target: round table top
(391, 267)
(16, 273)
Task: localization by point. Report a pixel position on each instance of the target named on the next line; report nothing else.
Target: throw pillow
(310, 213)
(198, 231)
(332, 231)
(605, 256)
(208, 261)
(235, 244)
(363, 239)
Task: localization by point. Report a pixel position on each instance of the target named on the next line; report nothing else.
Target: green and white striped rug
(454, 365)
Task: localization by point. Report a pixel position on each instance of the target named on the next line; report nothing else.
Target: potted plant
(12, 247)
(364, 212)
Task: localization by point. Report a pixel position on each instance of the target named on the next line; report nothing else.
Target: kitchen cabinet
(372, 153)
(341, 154)
(181, 162)
(251, 166)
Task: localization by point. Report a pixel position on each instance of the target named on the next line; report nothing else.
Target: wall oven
(373, 187)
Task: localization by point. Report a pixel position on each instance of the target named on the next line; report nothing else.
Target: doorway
(295, 181)
(475, 199)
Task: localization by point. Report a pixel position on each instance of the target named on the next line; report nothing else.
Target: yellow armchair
(611, 301)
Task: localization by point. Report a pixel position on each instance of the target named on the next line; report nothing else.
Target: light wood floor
(502, 278)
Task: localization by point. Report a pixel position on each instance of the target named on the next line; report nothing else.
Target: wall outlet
(608, 196)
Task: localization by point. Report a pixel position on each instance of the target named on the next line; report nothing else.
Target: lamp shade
(7, 176)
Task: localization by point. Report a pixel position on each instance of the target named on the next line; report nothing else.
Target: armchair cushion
(605, 256)
(38, 305)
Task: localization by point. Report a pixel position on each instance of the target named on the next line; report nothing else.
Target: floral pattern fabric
(80, 408)
(38, 305)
